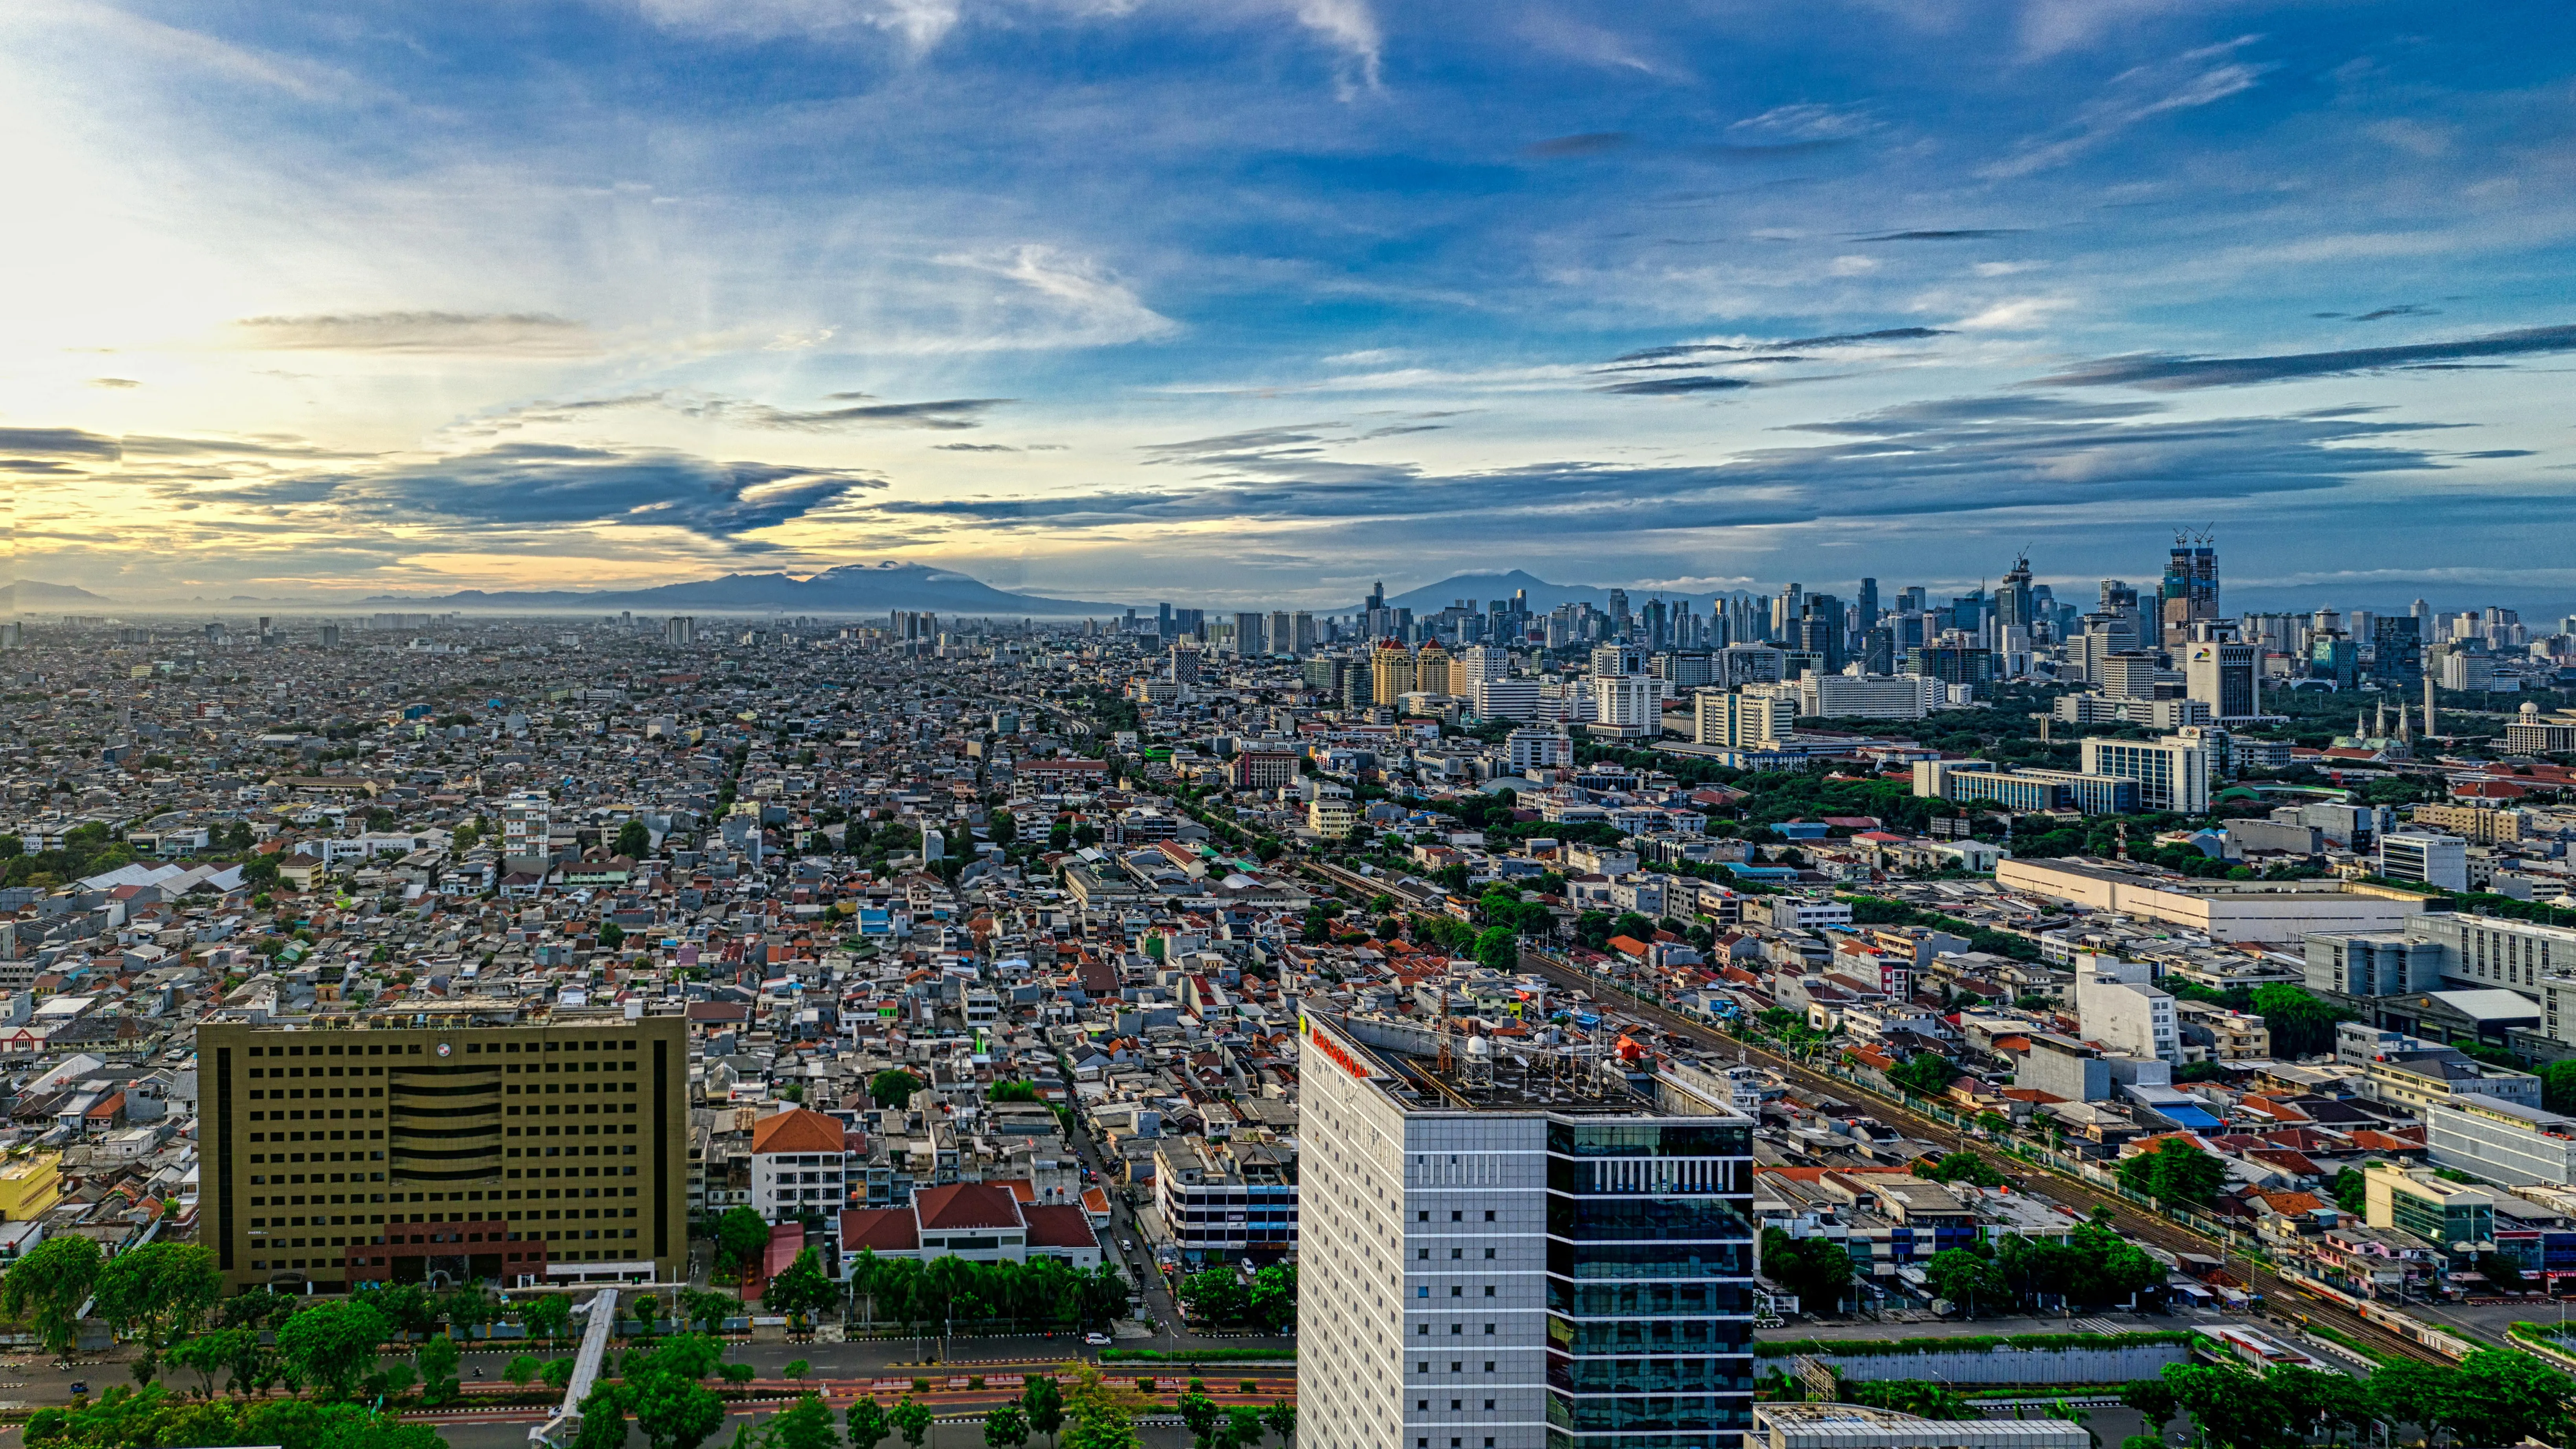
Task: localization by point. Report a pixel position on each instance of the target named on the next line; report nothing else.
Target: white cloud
(1079, 302)
(1592, 45)
(2193, 79)
(1350, 27)
(1805, 121)
(2018, 315)
(921, 23)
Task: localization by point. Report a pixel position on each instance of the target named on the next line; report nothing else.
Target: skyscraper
(1570, 1256)
(2012, 599)
(2221, 673)
(2396, 648)
(2190, 594)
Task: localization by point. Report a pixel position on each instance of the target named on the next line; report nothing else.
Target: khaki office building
(410, 1149)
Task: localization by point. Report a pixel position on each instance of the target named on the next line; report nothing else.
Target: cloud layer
(482, 292)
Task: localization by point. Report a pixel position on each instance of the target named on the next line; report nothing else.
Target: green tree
(804, 1424)
(797, 1368)
(1243, 1428)
(2403, 1391)
(46, 1288)
(676, 1413)
(2301, 1025)
(2350, 1189)
(603, 1419)
(911, 1421)
(802, 1288)
(329, 1346)
(893, 1088)
(2504, 1397)
(1818, 1270)
(522, 1370)
(1498, 948)
(1925, 1074)
(437, 1360)
(157, 1292)
(1215, 1296)
(549, 1314)
(1004, 1428)
(1044, 1404)
(1968, 1280)
(634, 840)
(2558, 1086)
(1272, 1299)
(2154, 1400)
(2174, 1172)
(2229, 1406)
(1200, 1414)
(741, 1235)
(1959, 1167)
(209, 1354)
(1923, 1399)
(1281, 1419)
(868, 1424)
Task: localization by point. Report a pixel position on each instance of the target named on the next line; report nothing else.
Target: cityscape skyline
(1264, 302)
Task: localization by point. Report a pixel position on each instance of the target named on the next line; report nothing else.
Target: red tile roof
(1059, 1227)
(796, 1130)
(966, 1205)
(885, 1230)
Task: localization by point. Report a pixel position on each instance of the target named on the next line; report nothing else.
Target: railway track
(2127, 1218)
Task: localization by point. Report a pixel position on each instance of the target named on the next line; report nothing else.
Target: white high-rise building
(1627, 703)
(1473, 664)
(1517, 1251)
(2172, 773)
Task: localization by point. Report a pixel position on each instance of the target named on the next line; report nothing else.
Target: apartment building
(1518, 1251)
(555, 1150)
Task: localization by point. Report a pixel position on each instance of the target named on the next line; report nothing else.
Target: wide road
(2128, 1218)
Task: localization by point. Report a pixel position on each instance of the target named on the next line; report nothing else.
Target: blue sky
(1255, 302)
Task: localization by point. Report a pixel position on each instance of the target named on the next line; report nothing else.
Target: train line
(2127, 1218)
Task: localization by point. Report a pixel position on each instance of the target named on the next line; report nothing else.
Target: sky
(1253, 302)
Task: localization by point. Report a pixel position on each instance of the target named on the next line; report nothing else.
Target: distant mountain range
(35, 593)
(850, 589)
(1543, 596)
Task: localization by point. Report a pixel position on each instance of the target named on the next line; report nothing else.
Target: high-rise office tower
(2012, 598)
(1868, 605)
(1164, 627)
(1304, 625)
(1786, 609)
(2220, 672)
(1519, 1249)
(1281, 635)
(553, 1151)
(2190, 594)
(1248, 642)
(2396, 648)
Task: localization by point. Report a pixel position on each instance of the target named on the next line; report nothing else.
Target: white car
(1096, 1340)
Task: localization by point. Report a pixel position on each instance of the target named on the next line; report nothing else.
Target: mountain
(1543, 596)
(849, 589)
(30, 593)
